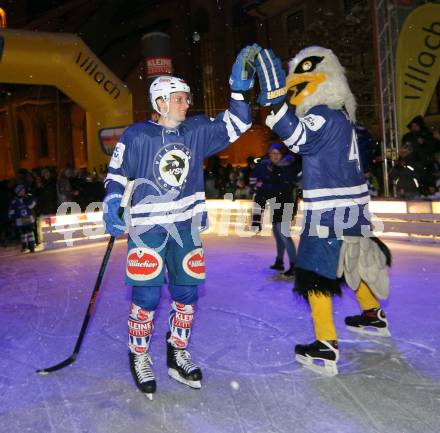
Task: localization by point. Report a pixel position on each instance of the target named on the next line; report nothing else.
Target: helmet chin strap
(167, 120)
(170, 122)
(168, 109)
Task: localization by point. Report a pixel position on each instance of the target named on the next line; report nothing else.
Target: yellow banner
(417, 63)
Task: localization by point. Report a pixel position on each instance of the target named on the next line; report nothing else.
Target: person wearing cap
(276, 179)
(165, 158)
(20, 211)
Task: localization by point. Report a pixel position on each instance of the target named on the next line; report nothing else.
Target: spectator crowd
(47, 188)
(414, 175)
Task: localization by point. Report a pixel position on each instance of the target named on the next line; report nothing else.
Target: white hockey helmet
(163, 86)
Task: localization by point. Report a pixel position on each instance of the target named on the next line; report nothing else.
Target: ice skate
(140, 366)
(290, 273)
(370, 322)
(252, 231)
(181, 367)
(278, 265)
(320, 356)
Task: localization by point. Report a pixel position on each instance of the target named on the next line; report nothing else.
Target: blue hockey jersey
(20, 210)
(168, 165)
(335, 194)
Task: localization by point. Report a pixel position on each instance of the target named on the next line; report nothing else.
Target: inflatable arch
(417, 63)
(64, 61)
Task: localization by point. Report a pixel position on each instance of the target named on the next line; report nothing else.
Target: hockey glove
(114, 224)
(243, 69)
(272, 78)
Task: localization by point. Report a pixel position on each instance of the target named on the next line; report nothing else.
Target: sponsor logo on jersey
(171, 166)
(194, 263)
(143, 264)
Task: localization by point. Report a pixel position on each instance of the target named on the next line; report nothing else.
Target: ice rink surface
(245, 330)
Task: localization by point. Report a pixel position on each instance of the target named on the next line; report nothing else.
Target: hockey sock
(180, 321)
(322, 315)
(365, 297)
(140, 328)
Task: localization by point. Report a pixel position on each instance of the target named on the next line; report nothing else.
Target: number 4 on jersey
(354, 151)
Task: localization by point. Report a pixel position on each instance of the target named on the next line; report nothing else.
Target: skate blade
(320, 366)
(196, 384)
(149, 396)
(370, 330)
(281, 277)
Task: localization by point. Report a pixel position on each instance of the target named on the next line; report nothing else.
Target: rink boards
(414, 221)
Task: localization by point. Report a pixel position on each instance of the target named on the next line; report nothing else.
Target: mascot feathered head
(317, 78)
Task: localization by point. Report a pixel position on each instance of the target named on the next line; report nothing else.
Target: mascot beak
(303, 85)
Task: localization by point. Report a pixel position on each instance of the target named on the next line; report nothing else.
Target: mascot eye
(307, 65)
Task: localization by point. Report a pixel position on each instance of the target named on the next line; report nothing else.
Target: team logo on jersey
(143, 264)
(171, 166)
(194, 263)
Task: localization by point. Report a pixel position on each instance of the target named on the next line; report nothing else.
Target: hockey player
(336, 239)
(20, 211)
(168, 209)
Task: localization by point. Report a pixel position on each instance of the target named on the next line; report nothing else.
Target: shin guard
(180, 321)
(140, 329)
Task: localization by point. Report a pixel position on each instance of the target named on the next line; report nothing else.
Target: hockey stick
(124, 202)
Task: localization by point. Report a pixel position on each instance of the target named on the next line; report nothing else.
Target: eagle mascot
(337, 243)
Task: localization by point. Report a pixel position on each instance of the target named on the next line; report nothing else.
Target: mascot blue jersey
(335, 193)
(167, 165)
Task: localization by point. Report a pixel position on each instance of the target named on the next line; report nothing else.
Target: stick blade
(65, 363)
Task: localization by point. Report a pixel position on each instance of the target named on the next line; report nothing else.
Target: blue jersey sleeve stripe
(332, 197)
(117, 178)
(243, 127)
(273, 119)
(331, 204)
(172, 218)
(229, 127)
(346, 190)
(168, 206)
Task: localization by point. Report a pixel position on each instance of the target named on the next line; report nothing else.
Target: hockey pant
(322, 310)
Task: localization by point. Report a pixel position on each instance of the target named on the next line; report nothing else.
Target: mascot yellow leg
(322, 315)
(323, 354)
(373, 320)
(365, 297)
